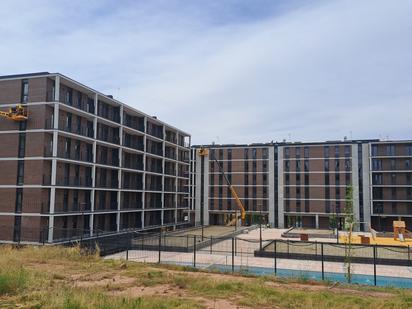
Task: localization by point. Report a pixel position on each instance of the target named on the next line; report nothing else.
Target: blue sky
(230, 71)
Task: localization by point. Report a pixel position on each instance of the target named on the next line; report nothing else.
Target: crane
(204, 152)
(18, 113)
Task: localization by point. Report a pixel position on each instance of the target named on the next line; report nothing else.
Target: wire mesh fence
(310, 260)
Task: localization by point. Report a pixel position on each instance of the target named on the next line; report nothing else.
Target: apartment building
(306, 184)
(391, 183)
(249, 168)
(85, 164)
(315, 179)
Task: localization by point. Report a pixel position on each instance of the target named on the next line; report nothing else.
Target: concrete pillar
(144, 173)
(119, 172)
(355, 186)
(93, 192)
(272, 184)
(281, 205)
(54, 160)
(317, 221)
(162, 198)
(367, 180)
(206, 194)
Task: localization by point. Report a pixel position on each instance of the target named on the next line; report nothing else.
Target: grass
(53, 277)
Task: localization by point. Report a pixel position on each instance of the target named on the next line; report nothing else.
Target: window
(337, 152)
(297, 152)
(377, 179)
(65, 200)
(337, 165)
(347, 150)
(287, 165)
(75, 200)
(246, 153)
(408, 149)
(66, 174)
(212, 154)
(326, 165)
(374, 150)
(306, 165)
(264, 166)
(287, 179)
(69, 96)
(326, 151)
(265, 153)
(408, 164)
(24, 91)
(287, 154)
(68, 122)
(347, 165)
(394, 208)
(306, 152)
(408, 179)
(79, 124)
(79, 99)
(376, 164)
(393, 192)
(390, 150)
(298, 179)
(297, 165)
(253, 153)
(77, 150)
(393, 164)
(67, 146)
(393, 179)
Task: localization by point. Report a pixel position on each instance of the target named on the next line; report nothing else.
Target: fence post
(160, 246)
(374, 264)
(233, 254)
(127, 254)
(142, 241)
(194, 251)
(276, 266)
(287, 242)
(235, 245)
(323, 266)
(211, 244)
(187, 242)
(409, 255)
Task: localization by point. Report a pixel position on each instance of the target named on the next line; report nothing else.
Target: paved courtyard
(219, 254)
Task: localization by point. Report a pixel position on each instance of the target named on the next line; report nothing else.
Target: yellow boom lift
(18, 113)
(204, 152)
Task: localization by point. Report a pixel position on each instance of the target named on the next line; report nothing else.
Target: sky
(229, 71)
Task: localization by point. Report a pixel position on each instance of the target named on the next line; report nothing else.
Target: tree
(349, 222)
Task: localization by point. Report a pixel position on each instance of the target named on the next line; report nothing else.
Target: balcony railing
(74, 181)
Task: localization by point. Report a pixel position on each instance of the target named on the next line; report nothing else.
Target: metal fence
(313, 260)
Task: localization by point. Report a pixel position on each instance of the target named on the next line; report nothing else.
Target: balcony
(74, 181)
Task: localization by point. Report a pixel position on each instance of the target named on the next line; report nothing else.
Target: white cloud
(311, 72)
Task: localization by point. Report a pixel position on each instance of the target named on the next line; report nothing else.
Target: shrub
(12, 280)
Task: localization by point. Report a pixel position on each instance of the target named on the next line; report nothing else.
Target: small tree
(333, 221)
(349, 221)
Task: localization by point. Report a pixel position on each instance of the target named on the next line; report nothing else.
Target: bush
(12, 280)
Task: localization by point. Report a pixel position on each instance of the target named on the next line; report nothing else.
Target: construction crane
(204, 152)
(18, 113)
